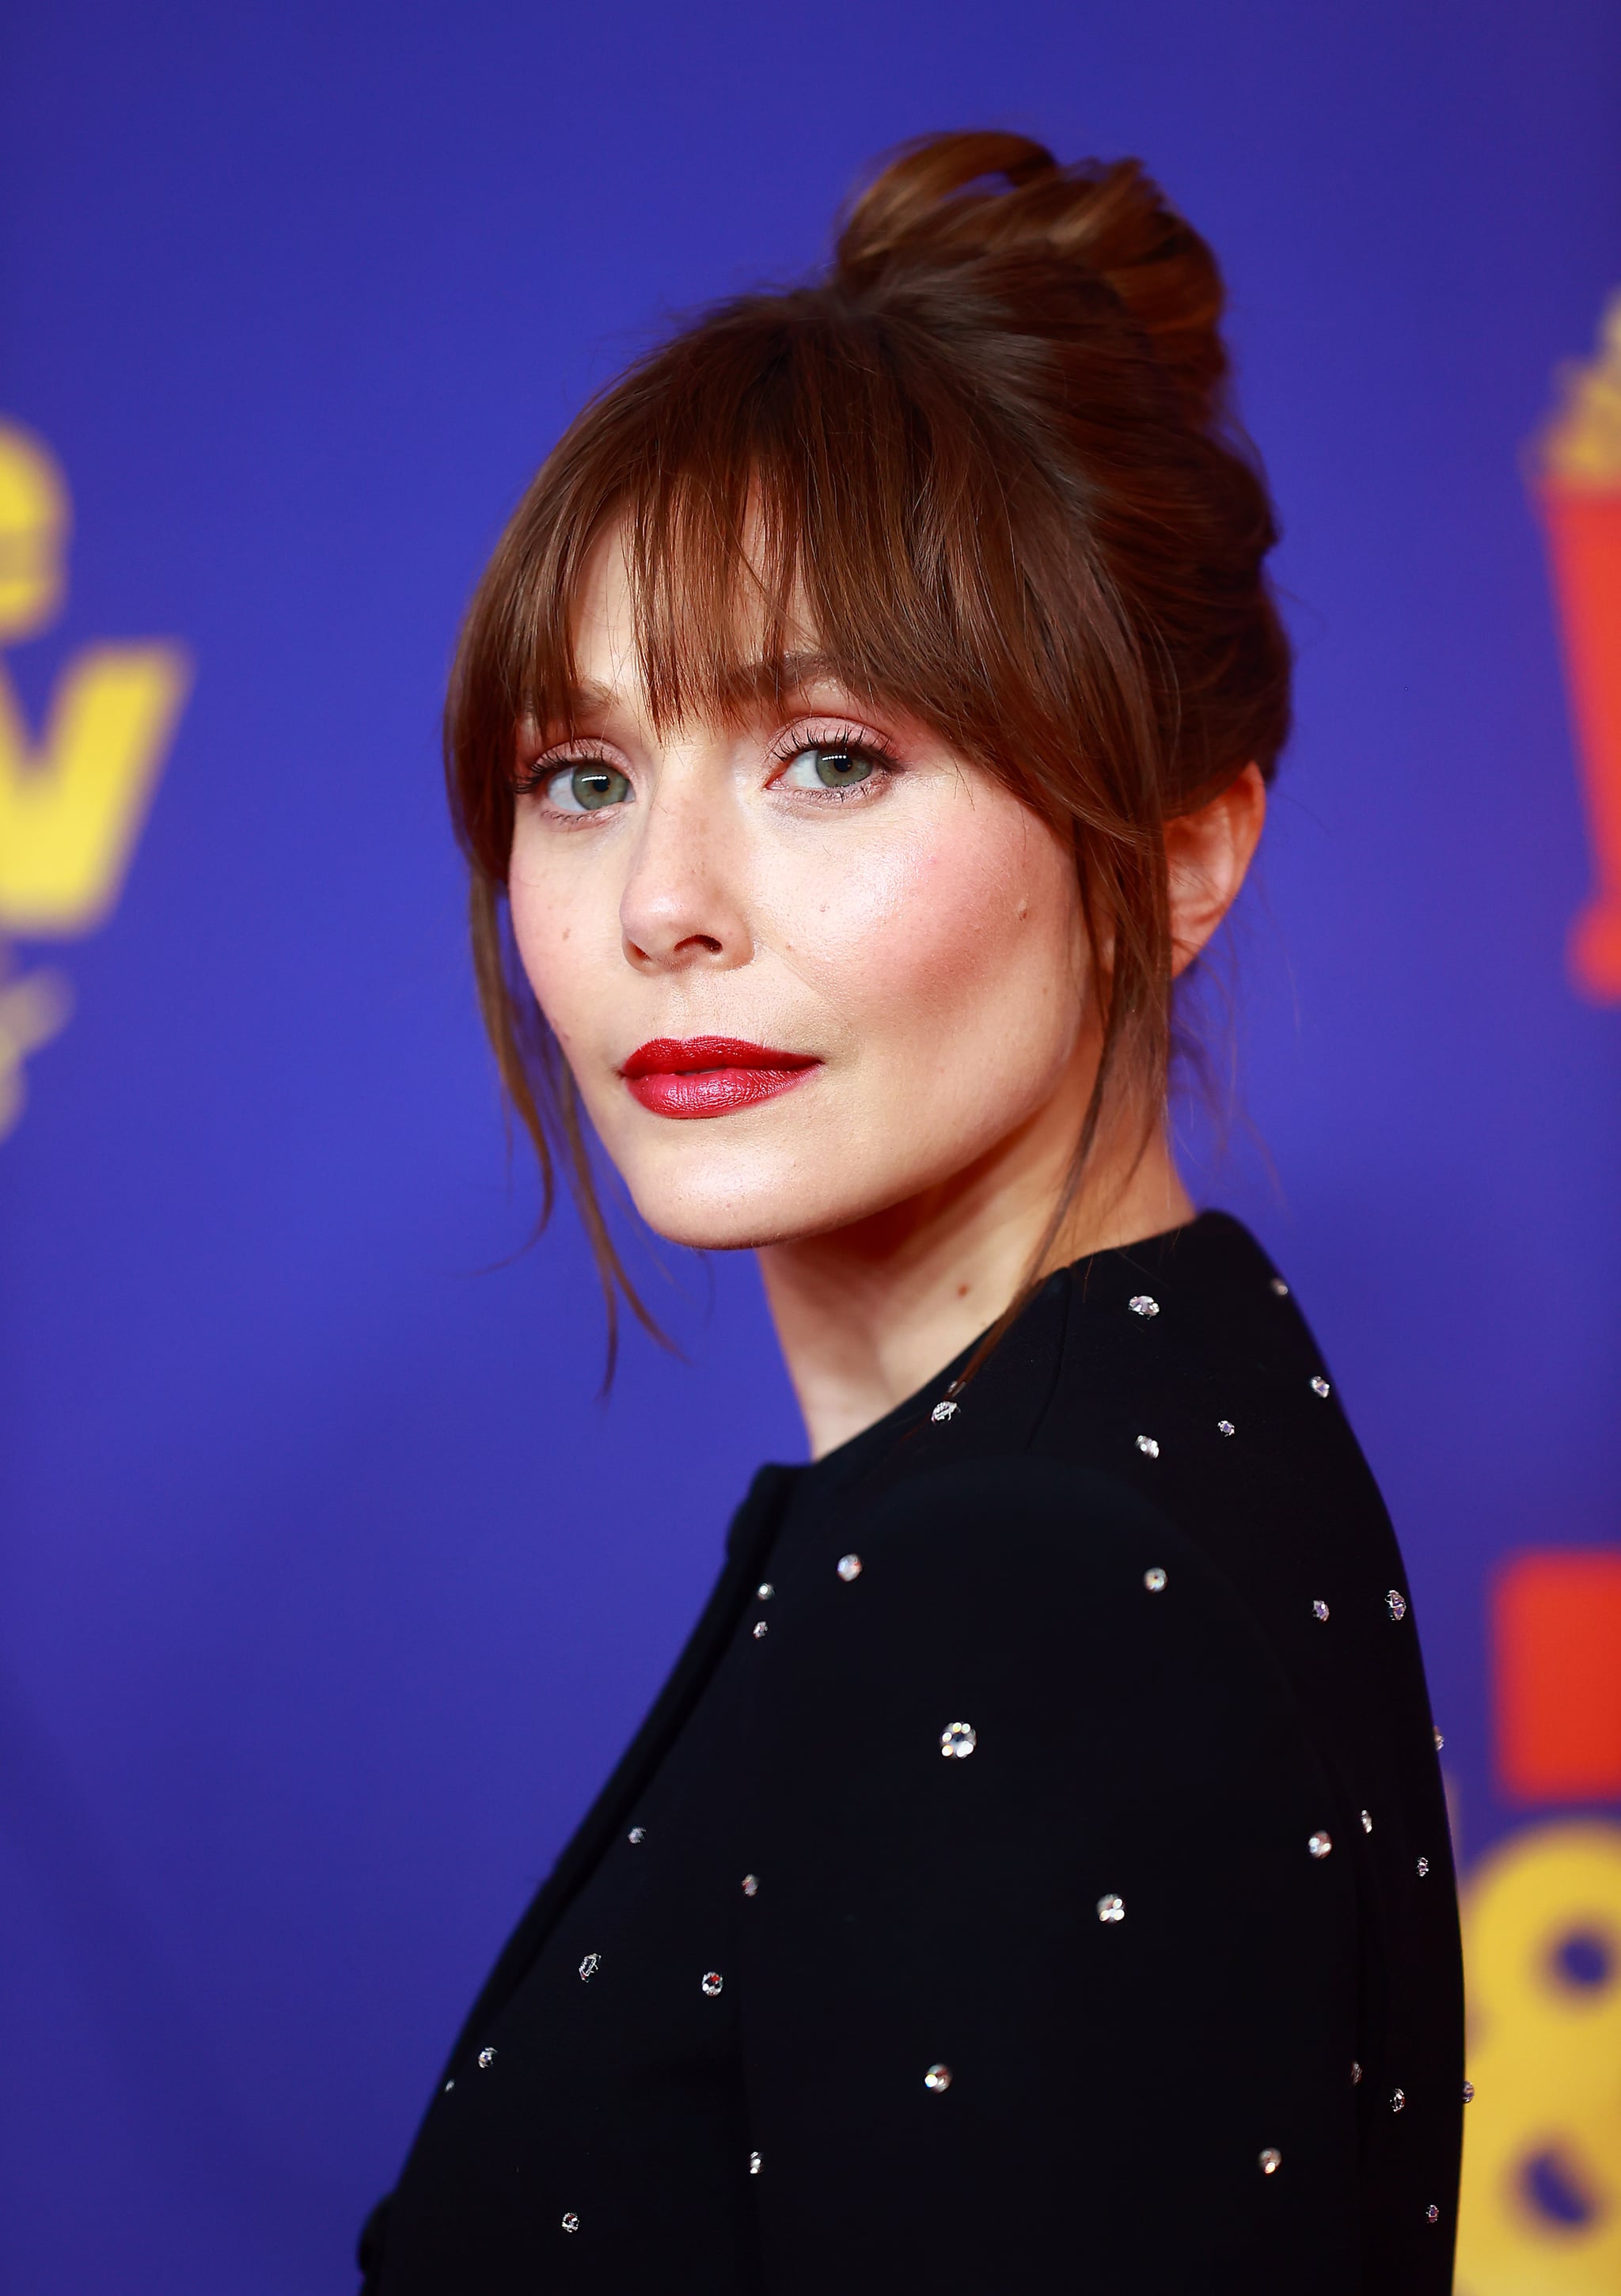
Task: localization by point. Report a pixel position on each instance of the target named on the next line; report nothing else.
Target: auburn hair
(989, 457)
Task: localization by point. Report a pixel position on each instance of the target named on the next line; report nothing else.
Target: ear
(1207, 855)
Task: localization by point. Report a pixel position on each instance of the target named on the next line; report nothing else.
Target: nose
(682, 909)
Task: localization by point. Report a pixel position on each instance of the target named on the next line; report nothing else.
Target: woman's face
(804, 969)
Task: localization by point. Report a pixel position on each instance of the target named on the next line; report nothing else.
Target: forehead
(747, 658)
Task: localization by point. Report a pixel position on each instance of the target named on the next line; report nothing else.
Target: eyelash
(831, 735)
(836, 733)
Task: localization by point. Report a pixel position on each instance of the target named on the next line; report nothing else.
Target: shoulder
(1006, 1645)
(1072, 1601)
(1032, 1796)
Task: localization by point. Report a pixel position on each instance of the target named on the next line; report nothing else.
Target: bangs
(794, 495)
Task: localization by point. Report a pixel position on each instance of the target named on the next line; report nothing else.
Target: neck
(869, 1314)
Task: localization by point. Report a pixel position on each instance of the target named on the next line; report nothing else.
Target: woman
(1034, 1872)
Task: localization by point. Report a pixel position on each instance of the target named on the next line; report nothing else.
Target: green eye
(587, 787)
(829, 766)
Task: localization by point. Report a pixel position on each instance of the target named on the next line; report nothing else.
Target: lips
(710, 1076)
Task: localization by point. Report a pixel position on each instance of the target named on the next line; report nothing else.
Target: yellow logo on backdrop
(1541, 2211)
(71, 802)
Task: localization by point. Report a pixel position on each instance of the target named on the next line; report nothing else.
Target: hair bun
(983, 196)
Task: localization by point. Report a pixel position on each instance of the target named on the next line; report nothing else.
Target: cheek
(552, 924)
(972, 926)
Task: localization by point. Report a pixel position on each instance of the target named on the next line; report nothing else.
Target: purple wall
(327, 1591)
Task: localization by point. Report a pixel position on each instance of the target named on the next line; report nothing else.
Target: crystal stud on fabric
(571, 2222)
(1111, 1909)
(487, 2058)
(589, 1967)
(1320, 1611)
(1398, 2099)
(1320, 1385)
(764, 1590)
(937, 2079)
(849, 1566)
(1320, 1844)
(1356, 2072)
(943, 1411)
(1148, 1446)
(958, 1741)
(637, 1833)
(1280, 1287)
(751, 1883)
(1143, 1304)
(711, 1982)
(1395, 1602)
(760, 1629)
(1154, 1580)
(755, 2164)
(1468, 2092)
(1367, 1823)
(1440, 1740)
(448, 2087)
(1432, 2215)
(1225, 1427)
(1423, 1868)
(1272, 2161)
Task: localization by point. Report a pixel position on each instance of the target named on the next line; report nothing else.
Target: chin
(712, 1201)
(707, 1218)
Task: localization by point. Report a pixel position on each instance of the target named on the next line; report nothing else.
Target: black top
(1034, 1872)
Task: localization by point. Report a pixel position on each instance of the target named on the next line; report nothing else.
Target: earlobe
(1207, 856)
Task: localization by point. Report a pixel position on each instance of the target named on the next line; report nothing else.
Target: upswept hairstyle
(989, 457)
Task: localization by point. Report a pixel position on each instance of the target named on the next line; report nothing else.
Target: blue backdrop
(329, 1592)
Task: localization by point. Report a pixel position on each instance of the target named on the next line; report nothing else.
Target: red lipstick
(710, 1076)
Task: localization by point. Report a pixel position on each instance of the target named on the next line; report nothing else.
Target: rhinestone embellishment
(1468, 2092)
(1395, 1602)
(1111, 1909)
(448, 2087)
(1280, 1287)
(849, 1566)
(487, 2058)
(760, 1629)
(754, 2164)
(1398, 2099)
(1148, 1446)
(1143, 1304)
(637, 1833)
(1225, 1427)
(1432, 2215)
(937, 2079)
(1356, 2072)
(1320, 1844)
(711, 1982)
(1154, 1580)
(958, 1741)
(943, 1411)
(1320, 1385)
(1320, 1611)
(1367, 1823)
(1423, 1868)
(751, 1885)
(589, 1967)
(764, 1590)
(1440, 1740)
(1272, 2161)
(571, 2222)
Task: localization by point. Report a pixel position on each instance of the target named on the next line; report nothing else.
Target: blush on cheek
(951, 961)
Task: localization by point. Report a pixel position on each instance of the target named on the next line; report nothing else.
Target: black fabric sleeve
(1123, 1923)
